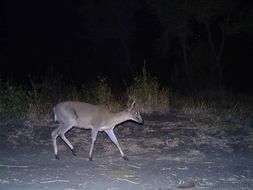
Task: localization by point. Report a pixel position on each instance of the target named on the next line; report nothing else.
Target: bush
(14, 102)
(219, 103)
(148, 91)
(34, 104)
(97, 92)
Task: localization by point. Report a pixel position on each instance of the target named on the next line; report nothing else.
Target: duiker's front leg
(93, 138)
(112, 136)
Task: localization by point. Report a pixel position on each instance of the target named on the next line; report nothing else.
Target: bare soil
(169, 151)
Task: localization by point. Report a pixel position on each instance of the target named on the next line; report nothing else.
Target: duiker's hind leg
(63, 137)
(60, 131)
(54, 136)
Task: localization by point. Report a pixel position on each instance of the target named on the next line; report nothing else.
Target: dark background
(189, 45)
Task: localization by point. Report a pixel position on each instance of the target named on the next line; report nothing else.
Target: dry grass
(149, 93)
(33, 105)
(216, 106)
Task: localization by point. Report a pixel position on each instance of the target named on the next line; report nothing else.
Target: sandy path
(168, 152)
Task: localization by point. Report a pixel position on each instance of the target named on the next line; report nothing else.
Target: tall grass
(33, 104)
(147, 90)
(97, 92)
(14, 101)
(219, 104)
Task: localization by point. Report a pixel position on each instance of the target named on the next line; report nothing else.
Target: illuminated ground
(171, 151)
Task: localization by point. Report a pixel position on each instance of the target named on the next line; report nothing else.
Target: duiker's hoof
(90, 159)
(73, 152)
(56, 157)
(125, 158)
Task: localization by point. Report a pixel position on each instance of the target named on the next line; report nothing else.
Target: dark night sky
(48, 37)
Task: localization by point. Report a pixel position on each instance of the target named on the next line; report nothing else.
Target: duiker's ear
(132, 106)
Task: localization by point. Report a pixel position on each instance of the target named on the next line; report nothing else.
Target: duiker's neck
(119, 117)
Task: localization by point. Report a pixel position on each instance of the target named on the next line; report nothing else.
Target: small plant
(98, 92)
(44, 94)
(123, 174)
(34, 104)
(14, 102)
(148, 91)
(215, 104)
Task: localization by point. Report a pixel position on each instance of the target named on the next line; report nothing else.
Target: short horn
(132, 105)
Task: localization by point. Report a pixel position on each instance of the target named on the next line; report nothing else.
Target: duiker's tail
(55, 116)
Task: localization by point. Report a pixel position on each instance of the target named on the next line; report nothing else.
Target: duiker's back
(83, 115)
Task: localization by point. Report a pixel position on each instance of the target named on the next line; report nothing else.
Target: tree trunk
(127, 54)
(184, 46)
(216, 54)
(188, 80)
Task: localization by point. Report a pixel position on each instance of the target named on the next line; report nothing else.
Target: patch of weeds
(99, 93)
(216, 106)
(49, 90)
(34, 104)
(14, 102)
(148, 91)
(123, 174)
(45, 94)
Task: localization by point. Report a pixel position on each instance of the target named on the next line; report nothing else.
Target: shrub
(14, 102)
(148, 91)
(34, 105)
(97, 92)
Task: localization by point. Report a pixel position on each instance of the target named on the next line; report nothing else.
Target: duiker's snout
(137, 117)
(135, 113)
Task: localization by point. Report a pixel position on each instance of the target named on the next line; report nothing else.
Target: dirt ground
(169, 151)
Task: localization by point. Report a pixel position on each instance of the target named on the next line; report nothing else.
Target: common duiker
(97, 118)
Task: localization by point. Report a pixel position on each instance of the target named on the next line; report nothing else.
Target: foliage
(123, 173)
(97, 92)
(34, 105)
(148, 91)
(44, 94)
(14, 102)
(219, 103)
(189, 25)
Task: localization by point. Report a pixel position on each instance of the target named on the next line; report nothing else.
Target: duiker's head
(134, 113)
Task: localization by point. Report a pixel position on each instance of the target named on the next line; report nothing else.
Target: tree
(175, 24)
(214, 13)
(107, 21)
(178, 18)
